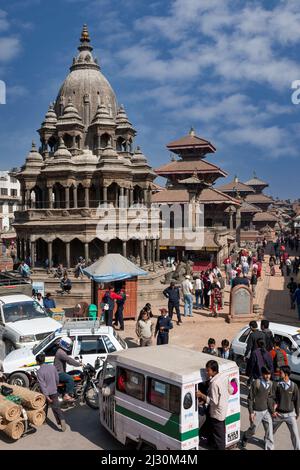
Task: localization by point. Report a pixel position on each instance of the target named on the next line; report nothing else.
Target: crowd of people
(273, 398)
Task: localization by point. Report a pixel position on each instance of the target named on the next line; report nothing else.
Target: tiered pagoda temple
(190, 179)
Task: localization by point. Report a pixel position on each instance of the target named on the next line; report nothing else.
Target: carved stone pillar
(86, 251)
(50, 198)
(27, 199)
(75, 197)
(86, 197)
(32, 253)
(142, 252)
(105, 248)
(50, 254)
(68, 257)
(67, 197)
(124, 248)
(105, 195)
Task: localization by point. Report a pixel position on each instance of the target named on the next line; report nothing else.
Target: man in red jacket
(109, 299)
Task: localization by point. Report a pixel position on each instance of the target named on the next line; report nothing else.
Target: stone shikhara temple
(86, 158)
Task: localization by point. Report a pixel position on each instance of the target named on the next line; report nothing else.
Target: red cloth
(115, 296)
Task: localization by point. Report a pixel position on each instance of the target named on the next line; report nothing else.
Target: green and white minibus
(148, 397)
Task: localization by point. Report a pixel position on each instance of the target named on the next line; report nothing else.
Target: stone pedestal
(241, 305)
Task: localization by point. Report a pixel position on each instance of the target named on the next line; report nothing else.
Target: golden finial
(85, 37)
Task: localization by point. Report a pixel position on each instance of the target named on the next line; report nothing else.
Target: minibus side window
(163, 395)
(131, 383)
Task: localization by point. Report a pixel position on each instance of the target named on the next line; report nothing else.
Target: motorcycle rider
(61, 360)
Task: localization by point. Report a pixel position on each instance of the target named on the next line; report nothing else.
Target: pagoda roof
(189, 167)
(236, 186)
(265, 217)
(256, 181)
(249, 208)
(258, 199)
(191, 142)
(207, 196)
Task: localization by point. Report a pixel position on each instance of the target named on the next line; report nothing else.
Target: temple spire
(85, 36)
(85, 40)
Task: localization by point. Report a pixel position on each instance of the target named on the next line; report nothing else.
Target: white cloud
(9, 48)
(3, 21)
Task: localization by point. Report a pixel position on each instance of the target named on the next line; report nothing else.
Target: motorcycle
(85, 386)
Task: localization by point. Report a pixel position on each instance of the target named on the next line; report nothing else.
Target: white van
(23, 322)
(290, 342)
(148, 397)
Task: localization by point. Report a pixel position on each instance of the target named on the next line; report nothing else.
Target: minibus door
(189, 417)
(107, 390)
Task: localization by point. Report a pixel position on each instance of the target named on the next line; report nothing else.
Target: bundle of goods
(18, 406)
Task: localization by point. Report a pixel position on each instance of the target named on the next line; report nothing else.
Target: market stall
(113, 269)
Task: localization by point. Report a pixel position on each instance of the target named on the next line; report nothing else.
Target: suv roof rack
(80, 323)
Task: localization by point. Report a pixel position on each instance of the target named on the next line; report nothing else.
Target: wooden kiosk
(113, 269)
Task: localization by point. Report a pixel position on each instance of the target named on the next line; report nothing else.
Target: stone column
(50, 198)
(68, 257)
(126, 194)
(86, 251)
(86, 197)
(74, 141)
(50, 254)
(130, 196)
(148, 251)
(27, 199)
(75, 197)
(145, 197)
(153, 242)
(67, 197)
(157, 250)
(124, 248)
(32, 254)
(231, 221)
(105, 195)
(238, 225)
(121, 197)
(105, 248)
(142, 252)
(117, 197)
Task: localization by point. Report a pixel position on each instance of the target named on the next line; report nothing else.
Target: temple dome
(86, 82)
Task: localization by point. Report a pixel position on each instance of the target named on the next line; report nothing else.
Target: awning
(113, 267)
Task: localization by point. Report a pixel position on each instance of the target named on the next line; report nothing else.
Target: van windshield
(296, 338)
(39, 347)
(19, 311)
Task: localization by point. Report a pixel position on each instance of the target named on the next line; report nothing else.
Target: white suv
(90, 340)
(23, 322)
(290, 342)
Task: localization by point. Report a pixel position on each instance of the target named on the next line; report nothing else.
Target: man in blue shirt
(163, 326)
(48, 301)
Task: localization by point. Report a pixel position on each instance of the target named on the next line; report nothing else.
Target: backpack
(278, 360)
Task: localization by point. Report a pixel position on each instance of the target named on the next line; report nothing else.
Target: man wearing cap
(187, 290)
(173, 295)
(163, 326)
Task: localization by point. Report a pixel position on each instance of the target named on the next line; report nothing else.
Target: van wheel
(9, 346)
(20, 379)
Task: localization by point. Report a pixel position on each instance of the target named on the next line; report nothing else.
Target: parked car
(23, 322)
(290, 342)
(89, 341)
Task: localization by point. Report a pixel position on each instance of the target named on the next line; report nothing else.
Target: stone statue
(182, 269)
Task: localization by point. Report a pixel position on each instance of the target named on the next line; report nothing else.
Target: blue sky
(224, 67)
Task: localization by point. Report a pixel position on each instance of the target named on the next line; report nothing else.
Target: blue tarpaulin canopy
(113, 267)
